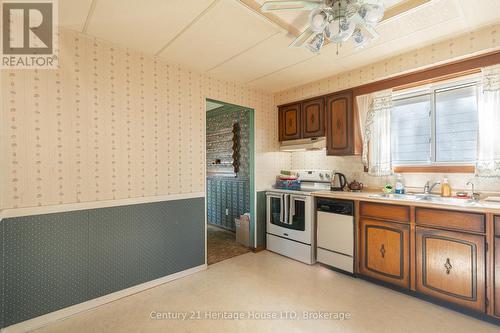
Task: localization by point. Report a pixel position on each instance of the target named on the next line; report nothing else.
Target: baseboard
(52, 317)
(258, 248)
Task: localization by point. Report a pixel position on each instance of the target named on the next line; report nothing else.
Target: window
(436, 125)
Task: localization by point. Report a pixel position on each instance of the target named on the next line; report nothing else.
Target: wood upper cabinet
(289, 122)
(451, 266)
(384, 251)
(340, 125)
(302, 120)
(313, 118)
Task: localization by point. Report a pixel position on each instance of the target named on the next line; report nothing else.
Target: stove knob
(320, 175)
(327, 175)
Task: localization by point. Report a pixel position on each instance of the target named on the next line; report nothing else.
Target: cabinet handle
(448, 266)
(382, 251)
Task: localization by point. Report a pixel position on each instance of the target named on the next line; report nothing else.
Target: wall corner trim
(39, 210)
(55, 316)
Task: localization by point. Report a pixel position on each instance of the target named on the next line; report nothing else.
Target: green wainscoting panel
(261, 218)
(45, 264)
(114, 249)
(56, 260)
(138, 243)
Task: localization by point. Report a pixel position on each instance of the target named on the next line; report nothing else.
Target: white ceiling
(234, 42)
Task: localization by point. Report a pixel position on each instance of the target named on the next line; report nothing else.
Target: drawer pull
(448, 266)
(382, 251)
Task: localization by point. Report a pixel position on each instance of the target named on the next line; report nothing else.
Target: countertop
(481, 206)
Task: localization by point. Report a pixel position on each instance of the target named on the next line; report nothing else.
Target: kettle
(339, 181)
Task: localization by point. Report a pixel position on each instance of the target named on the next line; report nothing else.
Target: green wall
(53, 261)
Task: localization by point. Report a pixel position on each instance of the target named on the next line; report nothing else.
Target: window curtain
(488, 155)
(375, 118)
(363, 103)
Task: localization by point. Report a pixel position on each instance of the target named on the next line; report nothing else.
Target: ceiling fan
(333, 20)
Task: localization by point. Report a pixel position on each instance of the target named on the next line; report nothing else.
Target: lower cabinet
(496, 287)
(451, 266)
(384, 251)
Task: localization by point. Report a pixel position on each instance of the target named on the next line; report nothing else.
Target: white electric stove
(290, 216)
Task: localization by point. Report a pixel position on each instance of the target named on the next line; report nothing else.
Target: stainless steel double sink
(430, 198)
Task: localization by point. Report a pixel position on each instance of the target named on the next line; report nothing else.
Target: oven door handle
(292, 207)
(285, 210)
(281, 208)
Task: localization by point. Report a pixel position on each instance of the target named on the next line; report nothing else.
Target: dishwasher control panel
(335, 206)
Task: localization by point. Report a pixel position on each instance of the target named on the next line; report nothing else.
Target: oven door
(289, 216)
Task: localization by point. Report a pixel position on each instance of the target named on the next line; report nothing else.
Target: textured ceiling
(231, 40)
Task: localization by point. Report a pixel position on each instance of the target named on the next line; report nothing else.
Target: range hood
(303, 144)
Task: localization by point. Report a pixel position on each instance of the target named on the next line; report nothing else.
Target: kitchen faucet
(474, 195)
(428, 189)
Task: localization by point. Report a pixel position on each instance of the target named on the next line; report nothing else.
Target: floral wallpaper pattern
(111, 124)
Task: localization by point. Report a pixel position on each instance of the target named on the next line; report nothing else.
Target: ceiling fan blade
(302, 38)
(290, 5)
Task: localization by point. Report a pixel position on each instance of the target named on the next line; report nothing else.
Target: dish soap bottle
(445, 188)
(400, 187)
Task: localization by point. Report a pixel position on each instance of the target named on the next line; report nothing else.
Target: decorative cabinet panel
(340, 124)
(313, 118)
(496, 268)
(451, 266)
(289, 122)
(384, 251)
(496, 287)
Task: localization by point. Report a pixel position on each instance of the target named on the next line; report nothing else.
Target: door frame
(251, 171)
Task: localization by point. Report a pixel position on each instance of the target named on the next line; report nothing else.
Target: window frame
(431, 89)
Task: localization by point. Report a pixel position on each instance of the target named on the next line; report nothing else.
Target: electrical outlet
(227, 211)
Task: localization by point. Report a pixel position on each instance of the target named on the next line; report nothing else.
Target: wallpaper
(231, 193)
(484, 40)
(111, 123)
(219, 129)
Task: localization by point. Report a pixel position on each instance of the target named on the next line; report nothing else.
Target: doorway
(229, 189)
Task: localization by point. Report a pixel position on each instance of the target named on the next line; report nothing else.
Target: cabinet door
(496, 288)
(384, 251)
(339, 124)
(289, 122)
(450, 266)
(313, 118)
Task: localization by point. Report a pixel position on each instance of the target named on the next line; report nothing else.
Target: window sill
(435, 169)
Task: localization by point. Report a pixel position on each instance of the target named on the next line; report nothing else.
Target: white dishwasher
(335, 233)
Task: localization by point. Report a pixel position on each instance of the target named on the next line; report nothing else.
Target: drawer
(450, 219)
(385, 211)
(497, 225)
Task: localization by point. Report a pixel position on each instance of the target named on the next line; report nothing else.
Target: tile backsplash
(352, 167)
